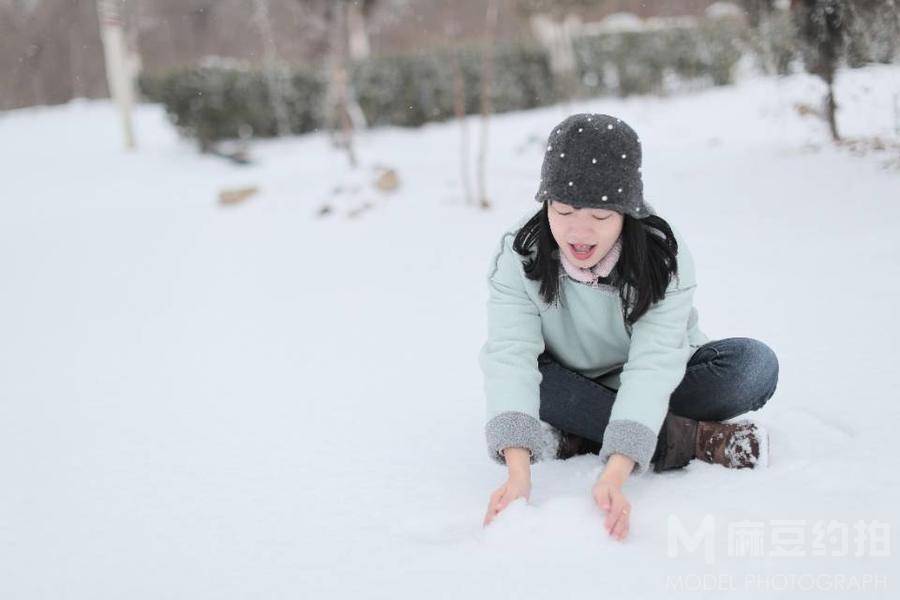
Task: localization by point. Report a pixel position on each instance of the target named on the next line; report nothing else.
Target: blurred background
(243, 258)
(263, 67)
(235, 70)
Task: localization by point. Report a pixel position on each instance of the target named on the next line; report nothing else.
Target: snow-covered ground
(252, 401)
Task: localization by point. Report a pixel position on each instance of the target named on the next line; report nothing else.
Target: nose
(581, 230)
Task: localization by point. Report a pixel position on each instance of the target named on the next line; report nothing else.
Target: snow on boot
(559, 444)
(740, 445)
(551, 438)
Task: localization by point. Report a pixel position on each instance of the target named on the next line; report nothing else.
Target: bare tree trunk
(273, 68)
(897, 114)
(346, 124)
(338, 96)
(829, 70)
(831, 109)
(487, 82)
(75, 64)
(823, 28)
(556, 37)
(118, 66)
(459, 110)
(133, 44)
(358, 36)
(830, 60)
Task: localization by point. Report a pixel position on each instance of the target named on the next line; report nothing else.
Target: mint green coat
(585, 333)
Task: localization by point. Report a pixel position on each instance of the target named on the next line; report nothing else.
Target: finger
(492, 505)
(610, 518)
(601, 497)
(621, 527)
(621, 519)
(504, 500)
(499, 504)
(618, 502)
(491, 512)
(495, 498)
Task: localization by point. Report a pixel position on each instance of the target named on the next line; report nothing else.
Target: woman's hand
(609, 498)
(608, 495)
(515, 487)
(518, 485)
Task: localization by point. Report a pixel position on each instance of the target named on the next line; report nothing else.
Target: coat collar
(602, 269)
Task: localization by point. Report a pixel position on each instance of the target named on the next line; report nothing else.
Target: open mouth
(582, 251)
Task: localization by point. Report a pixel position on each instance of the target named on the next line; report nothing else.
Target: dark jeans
(724, 378)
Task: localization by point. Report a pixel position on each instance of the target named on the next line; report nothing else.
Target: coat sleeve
(656, 364)
(508, 358)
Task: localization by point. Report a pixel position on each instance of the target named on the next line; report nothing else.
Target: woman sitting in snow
(593, 341)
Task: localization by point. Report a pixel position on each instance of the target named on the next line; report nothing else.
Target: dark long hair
(642, 273)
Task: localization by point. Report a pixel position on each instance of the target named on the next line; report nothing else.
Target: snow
(762, 436)
(200, 401)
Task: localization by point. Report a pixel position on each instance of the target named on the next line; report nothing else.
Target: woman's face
(585, 235)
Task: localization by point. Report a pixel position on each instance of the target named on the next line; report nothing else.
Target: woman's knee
(732, 376)
(759, 371)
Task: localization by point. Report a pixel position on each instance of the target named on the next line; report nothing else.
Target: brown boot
(734, 445)
(677, 443)
(573, 445)
(741, 445)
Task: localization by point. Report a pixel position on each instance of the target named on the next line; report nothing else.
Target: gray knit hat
(594, 161)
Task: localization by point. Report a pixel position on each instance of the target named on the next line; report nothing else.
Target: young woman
(593, 340)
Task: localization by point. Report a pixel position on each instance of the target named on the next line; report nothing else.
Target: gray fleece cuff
(634, 440)
(514, 429)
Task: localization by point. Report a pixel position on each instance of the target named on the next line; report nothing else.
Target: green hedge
(215, 103)
(226, 101)
(412, 90)
(637, 62)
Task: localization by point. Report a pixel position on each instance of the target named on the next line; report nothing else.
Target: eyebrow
(566, 206)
